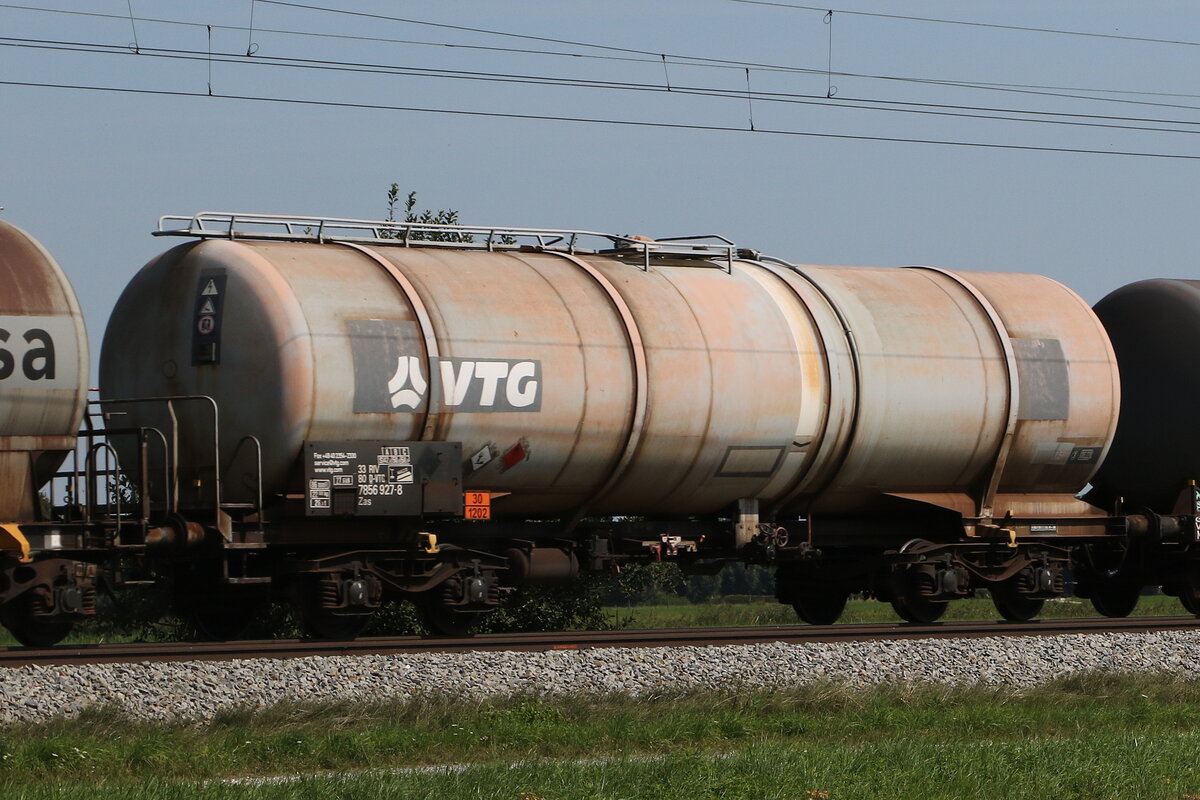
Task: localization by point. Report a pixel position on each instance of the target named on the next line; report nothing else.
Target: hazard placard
(477, 505)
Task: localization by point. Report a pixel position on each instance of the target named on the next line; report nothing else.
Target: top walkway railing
(282, 227)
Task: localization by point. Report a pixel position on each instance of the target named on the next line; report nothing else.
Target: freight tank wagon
(43, 374)
(346, 411)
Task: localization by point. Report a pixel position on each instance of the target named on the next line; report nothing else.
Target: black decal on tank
(389, 373)
(1043, 380)
(206, 321)
(1085, 455)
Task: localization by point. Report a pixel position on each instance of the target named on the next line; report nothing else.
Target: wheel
(910, 606)
(1188, 592)
(820, 609)
(1116, 599)
(1190, 600)
(1014, 606)
(918, 609)
(33, 631)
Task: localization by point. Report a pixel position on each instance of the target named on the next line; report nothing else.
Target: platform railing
(94, 489)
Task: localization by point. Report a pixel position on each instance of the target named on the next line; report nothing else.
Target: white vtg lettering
(518, 382)
(37, 362)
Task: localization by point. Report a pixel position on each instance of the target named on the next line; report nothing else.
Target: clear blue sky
(88, 172)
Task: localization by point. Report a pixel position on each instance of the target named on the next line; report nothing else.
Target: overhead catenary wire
(867, 104)
(971, 23)
(210, 61)
(830, 89)
(749, 99)
(1044, 90)
(132, 25)
(610, 122)
(634, 55)
(251, 46)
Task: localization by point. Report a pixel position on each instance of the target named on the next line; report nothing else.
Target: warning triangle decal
(210, 288)
(208, 308)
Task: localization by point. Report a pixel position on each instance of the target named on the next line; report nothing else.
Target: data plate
(378, 478)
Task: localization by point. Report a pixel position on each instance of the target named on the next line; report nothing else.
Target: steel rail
(576, 640)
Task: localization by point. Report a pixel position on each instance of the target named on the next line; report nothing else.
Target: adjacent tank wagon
(43, 389)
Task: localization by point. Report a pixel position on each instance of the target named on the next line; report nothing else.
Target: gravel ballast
(198, 690)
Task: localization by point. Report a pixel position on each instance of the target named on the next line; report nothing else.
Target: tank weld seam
(637, 349)
(424, 323)
(856, 367)
(992, 486)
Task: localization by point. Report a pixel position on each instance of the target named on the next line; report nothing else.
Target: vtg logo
(462, 384)
(407, 385)
(387, 379)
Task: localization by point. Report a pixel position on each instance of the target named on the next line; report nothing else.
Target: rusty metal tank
(983, 392)
(1155, 330)
(43, 370)
(653, 379)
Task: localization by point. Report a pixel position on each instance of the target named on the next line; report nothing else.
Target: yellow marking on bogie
(11, 538)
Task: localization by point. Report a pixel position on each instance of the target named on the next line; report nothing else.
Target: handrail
(166, 470)
(286, 227)
(143, 436)
(257, 466)
(169, 401)
(90, 478)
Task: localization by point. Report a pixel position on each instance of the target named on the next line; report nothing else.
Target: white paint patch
(445, 769)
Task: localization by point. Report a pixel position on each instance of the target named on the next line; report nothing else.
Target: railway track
(575, 640)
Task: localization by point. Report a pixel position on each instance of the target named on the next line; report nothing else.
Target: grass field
(1094, 737)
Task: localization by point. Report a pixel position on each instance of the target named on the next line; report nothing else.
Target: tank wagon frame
(165, 486)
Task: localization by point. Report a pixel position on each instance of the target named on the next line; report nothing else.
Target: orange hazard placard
(477, 505)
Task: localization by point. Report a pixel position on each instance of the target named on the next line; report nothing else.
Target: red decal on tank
(514, 455)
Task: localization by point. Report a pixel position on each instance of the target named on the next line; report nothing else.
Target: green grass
(1090, 737)
(768, 612)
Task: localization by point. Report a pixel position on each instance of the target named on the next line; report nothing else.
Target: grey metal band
(637, 349)
(421, 312)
